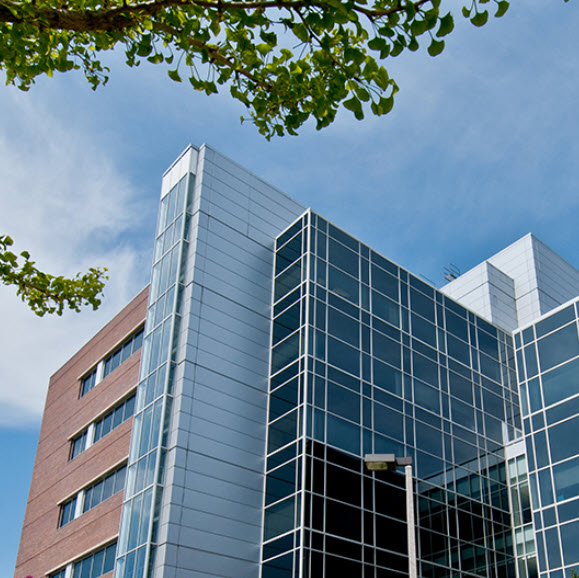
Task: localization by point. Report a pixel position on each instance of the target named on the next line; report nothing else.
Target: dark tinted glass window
(343, 402)
(288, 280)
(563, 439)
(557, 320)
(421, 304)
(558, 347)
(343, 285)
(343, 356)
(286, 323)
(343, 327)
(288, 254)
(561, 382)
(343, 258)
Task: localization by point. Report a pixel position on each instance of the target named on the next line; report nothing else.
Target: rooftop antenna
(451, 272)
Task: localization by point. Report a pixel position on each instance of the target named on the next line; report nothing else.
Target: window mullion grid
(305, 384)
(157, 489)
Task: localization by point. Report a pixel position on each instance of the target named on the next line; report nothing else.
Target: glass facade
(145, 474)
(278, 354)
(522, 520)
(548, 367)
(366, 358)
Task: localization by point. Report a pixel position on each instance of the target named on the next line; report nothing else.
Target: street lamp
(389, 462)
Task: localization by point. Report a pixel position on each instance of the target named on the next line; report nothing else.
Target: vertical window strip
(141, 510)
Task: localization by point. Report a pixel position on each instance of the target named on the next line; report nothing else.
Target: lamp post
(389, 462)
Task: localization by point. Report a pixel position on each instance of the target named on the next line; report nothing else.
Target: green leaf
(268, 37)
(480, 18)
(466, 12)
(353, 55)
(174, 75)
(377, 43)
(301, 32)
(436, 47)
(446, 25)
(383, 106)
(362, 94)
(418, 27)
(144, 49)
(263, 49)
(156, 58)
(397, 48)
(355, 106)
(502, 8)
(381, 78)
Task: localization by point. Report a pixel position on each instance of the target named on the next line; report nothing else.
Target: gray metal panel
(217, 438)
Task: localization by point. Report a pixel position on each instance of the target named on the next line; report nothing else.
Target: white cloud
(64, 200)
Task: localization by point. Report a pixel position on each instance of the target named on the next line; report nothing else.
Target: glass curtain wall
(548, 368)
(522, 519)
(367, 358)
(145, 475)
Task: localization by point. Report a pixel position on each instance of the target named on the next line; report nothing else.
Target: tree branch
(214, 54)
(119, 18)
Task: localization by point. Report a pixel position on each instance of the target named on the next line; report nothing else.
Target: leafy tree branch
(45, 293)
(286, 60)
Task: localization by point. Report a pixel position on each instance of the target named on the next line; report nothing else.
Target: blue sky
(481, 148)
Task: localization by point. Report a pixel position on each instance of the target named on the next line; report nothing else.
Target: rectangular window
(104, 488)
(114, 418)
(78, 445)
(103, 425)
(96, 564)
(123, 352)
(67, 512)
(131, 345)
(88, 382)
(94, 494)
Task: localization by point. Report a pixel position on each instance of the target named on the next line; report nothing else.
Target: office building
(279, 359)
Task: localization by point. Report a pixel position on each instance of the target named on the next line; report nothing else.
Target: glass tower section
(145, 475)
(367, 358)
(548, 367)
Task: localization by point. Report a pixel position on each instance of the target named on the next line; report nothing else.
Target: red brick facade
(44, 547)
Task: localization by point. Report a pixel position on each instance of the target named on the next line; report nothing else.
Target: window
(123, 352)
(97, 492)
(114, 418)
(103, 425)
(96, 564)
(104, 488)
(88, 382)
(67, 511)
(78, 444)
(113, 360)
